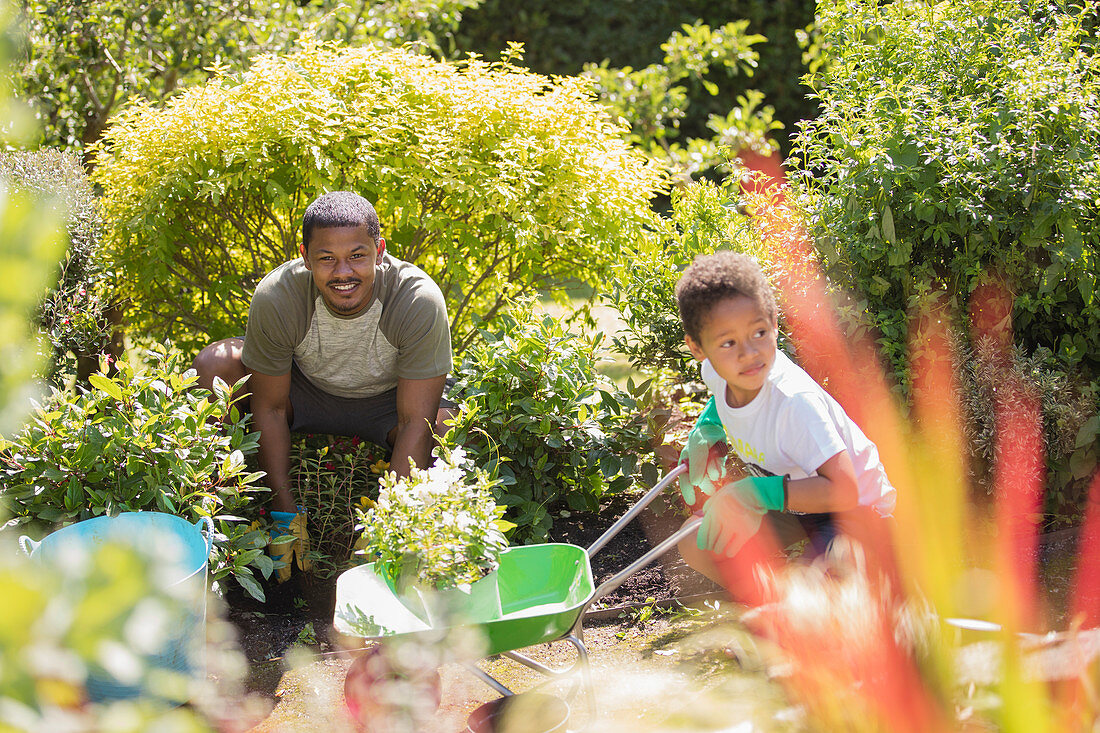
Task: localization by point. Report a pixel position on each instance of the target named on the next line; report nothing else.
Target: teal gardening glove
(735, 513)
(704, 455)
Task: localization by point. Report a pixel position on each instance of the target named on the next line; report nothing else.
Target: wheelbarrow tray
(543, 590)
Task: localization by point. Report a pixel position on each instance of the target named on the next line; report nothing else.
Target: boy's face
(740, 341)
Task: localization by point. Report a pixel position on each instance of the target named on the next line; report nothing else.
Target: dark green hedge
(560, 37)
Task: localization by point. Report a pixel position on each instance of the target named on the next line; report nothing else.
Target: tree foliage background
(560, 38)
(83, 60)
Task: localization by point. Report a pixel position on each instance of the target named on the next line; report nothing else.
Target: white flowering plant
(440, 526)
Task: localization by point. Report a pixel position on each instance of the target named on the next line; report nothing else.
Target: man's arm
(417, 406)
(833, 489)
(271, 413)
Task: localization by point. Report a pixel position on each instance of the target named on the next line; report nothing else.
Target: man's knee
(220, 359)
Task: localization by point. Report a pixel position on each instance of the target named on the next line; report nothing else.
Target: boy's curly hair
(711, 278)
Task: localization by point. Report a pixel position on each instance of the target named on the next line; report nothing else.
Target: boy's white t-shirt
(793, 426)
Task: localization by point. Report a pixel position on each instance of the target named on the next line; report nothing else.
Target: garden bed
(301, 610)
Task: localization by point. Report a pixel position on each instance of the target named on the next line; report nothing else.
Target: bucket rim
(204, 526)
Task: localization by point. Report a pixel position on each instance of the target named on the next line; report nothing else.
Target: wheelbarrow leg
(487, 678)
(582, 663)
(586, 677)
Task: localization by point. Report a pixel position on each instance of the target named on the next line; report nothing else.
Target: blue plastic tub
(179, 550)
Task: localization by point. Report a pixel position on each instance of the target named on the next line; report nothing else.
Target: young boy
(810, 467)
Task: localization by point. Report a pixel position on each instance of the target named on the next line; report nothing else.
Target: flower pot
(527, 712)
(380, 697)
(476, 603)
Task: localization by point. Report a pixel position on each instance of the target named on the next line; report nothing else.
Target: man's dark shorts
(317, 411)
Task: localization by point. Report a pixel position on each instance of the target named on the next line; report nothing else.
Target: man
(345, 340)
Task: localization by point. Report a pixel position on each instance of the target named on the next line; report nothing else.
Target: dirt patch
(663, 668)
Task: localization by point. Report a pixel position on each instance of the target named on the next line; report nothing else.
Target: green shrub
(959, 142)
(83, 59)
(537, 414)
(560, 38)
(959, 147)
(1070, 427)
(73, 315)
(655, 99)
(31, 242)
(704, 219)
(139, 441)
(494, 180)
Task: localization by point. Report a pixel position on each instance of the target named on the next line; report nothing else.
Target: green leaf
(265, 565)
(106, 385)
(888, 225)
(1071, 236)
(1086, 435)
(251, 585)
(1082, 463)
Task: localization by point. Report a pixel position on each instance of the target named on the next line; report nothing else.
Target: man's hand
(735, 513)
(293, 550)
(704, 455)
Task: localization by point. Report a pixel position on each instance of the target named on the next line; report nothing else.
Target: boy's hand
(293, 550)
(735, 513)
(704, 456)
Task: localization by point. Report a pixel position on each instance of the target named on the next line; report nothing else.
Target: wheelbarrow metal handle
(635, 510)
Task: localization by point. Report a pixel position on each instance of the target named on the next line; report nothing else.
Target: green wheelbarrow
(544, 591)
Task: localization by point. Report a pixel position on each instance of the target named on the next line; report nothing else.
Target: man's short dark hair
(712, 278)
(339, 209)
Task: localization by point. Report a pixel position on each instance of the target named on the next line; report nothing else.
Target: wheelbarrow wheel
(377, 694)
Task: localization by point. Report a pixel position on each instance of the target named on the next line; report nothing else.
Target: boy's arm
(735, 513)
(833, 489)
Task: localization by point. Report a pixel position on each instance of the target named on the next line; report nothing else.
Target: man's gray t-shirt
(402, 332)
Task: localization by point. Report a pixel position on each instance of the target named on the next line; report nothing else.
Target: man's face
(343, 261)
(740, 341)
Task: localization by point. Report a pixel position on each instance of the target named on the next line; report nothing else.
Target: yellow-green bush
(494, 180)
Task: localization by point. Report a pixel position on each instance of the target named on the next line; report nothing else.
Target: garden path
(663, 674)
